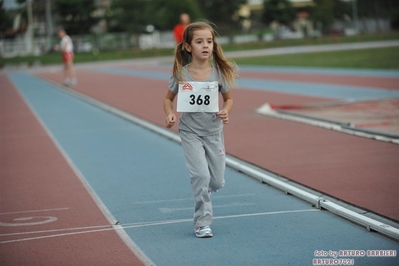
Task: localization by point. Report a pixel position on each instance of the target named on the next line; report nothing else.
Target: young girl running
(198, 82)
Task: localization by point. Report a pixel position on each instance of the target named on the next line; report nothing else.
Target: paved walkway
(313, 48)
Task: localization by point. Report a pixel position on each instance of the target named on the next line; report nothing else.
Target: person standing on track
(199, 82)
(66, 48)
(179, 28)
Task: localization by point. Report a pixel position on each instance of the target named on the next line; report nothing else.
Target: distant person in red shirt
(179, 28)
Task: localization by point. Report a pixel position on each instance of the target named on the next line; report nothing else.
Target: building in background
(301, 26)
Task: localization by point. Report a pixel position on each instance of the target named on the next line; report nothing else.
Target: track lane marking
(156, 223)
(44, 210)
(234, 204)
(57, 230)
(190, 199)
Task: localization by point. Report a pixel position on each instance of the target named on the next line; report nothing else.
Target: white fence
(87, 43)
(22, 46)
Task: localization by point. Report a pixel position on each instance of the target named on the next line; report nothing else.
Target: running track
(339, 165)
(67, 159)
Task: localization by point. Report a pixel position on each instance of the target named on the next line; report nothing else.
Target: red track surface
(37, 181)
(357, 170)
(373, 82)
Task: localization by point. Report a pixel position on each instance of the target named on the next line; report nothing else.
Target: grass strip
(376, 58)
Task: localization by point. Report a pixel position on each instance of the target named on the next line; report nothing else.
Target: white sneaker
(67, 82)
(203, 231)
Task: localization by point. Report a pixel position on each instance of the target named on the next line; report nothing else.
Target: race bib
(196, 96)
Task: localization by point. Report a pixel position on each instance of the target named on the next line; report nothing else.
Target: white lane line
(29, 221)
(264, 213)
(191, 199)
(155, 223)
(234, 204)
(57, 235)
(58, 230)
(44, 210)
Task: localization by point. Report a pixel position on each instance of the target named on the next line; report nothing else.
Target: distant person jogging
(66, 48)
(179, 28)
(198, 84)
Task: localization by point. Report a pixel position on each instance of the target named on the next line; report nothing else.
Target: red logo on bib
(187, 87)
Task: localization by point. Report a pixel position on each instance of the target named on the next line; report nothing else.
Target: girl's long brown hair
(182, 57)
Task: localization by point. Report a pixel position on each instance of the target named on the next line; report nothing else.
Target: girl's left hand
(224, 115)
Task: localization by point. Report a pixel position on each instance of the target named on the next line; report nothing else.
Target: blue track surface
(141, 178)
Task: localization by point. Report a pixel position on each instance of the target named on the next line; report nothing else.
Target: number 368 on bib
(197, 96)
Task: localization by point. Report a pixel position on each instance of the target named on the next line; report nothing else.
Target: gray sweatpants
(206, 162)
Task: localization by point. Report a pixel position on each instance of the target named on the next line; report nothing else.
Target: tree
(324, 13)
(221, 12)
(76, 16)
(134, 15)
(166, 14)
(5, 21)
(128, 15)
(280, 11)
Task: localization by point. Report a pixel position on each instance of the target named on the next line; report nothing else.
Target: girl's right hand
(170, 120)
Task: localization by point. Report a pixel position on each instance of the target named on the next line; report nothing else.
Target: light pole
(30, 26)
(355, 18)
(49, 25)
